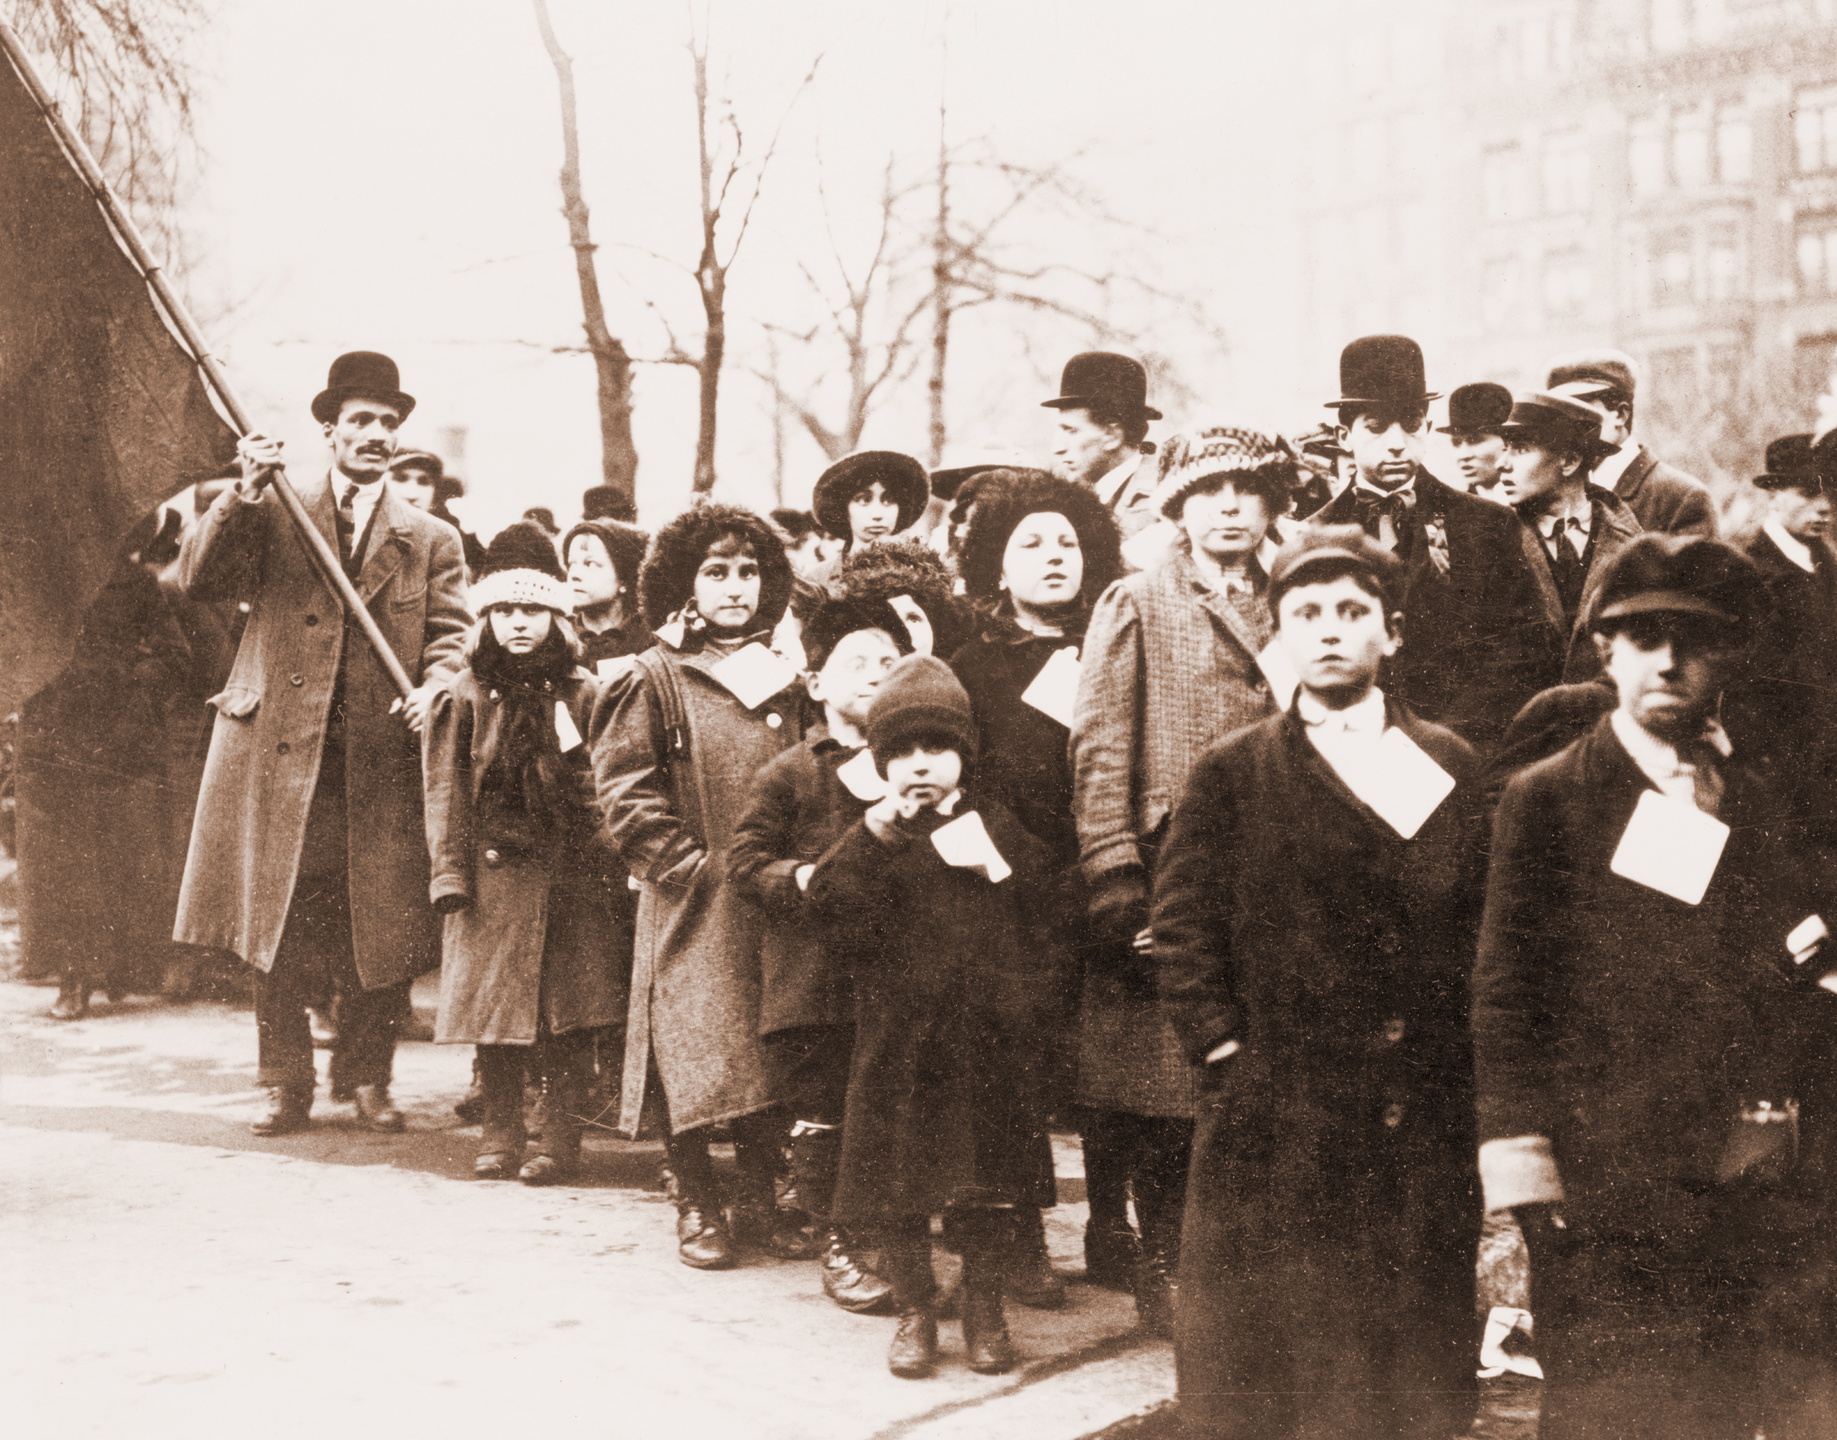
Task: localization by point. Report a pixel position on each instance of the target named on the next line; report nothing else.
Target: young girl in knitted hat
(526, 886)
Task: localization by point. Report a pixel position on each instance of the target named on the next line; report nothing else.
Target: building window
(1818, 255)
(1499, 300)
(1722, 261)
(1690, 152)
(1669, 268)
(1673, 23)
(1566, 177)
(1502, 182)
(1646, 156)
(1814, 130)
(1567, 283)
(1734, 146)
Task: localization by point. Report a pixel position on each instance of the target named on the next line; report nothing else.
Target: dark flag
(103, 413)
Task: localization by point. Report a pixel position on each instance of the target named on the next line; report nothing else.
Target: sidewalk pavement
(170, 1274)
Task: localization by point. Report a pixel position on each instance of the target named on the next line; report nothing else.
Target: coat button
(774, 720)
(493, 858)
(296, 679)
(312, 619)
(1393, 1116)
(1393, 1030)
(282, 748)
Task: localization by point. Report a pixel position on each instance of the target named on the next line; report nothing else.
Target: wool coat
(272, 716)
(669, 805)
(1791, 685)
(1573, 649)
(1169, 668)
(798, 808)
(1476, 644)
(532, 945)
(945, 1105)
(1663, 498)
(1333, 1214)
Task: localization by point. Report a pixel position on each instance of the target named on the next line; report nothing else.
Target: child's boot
(987, 1250)
(500, 1078)
(847, 1278)
(1031, 1278)
(702, 1241)
(905, 1257)
(564, 1096)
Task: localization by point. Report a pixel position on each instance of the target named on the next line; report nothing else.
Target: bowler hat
(1789, 465)
(903, 478)
(1383, 370)
(1478, 409)
(361, 374)
(1615, 370)
(960, 464)
(1111, 382)
(1540, 415)
(1679, 574)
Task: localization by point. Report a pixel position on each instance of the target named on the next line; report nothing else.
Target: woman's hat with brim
(361, 375)
(960, 465)
(1106, 381)
(1546, 416)
(1679, 574)
(1264, 464)
(1790, 465)
(1478, 409)
(903, 478)
(1384, 370)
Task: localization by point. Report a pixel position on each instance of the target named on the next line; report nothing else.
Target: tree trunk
(712, 283)
(618, 455)
(941, 281)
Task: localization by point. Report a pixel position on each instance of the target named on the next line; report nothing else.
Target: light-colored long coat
(271, 721)
(695, 995)
(541, 945)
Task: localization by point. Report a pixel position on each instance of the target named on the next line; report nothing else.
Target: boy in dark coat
(1313, 922)
(1642, 1037)
(801, 803)
(934, 896)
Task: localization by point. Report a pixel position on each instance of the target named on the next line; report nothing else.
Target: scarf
(524, 801)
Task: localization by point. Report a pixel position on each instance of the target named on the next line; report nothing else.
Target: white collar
(1365, 718)
(1609, 471)
(1791, 546)
(1582, 513)
(363, 503)
(1657, 760)
(1110, 484)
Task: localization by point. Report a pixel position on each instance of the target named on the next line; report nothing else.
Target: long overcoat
(1476, 645)
(1573, 653)
(1169, 669)
(1791, 687)
(1665, 499)
(542, 943)
(271, 722)
(1332, 1215)
(945, 1091)
(670, 809)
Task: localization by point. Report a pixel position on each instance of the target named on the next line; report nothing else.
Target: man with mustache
(308, 854)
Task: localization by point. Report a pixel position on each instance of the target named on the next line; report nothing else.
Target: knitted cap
(521, 568)
(920, 698)
(1265, 464)
(522, 546)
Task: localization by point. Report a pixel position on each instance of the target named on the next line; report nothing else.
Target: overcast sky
(382, 174)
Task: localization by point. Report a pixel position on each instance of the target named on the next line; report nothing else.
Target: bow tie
(1381, 513)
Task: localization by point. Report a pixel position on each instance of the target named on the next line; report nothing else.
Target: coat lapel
(1219, 608)
(1618, 530)
(388, 544)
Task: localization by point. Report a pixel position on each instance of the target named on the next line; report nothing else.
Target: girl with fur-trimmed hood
(531, 929)
(677, 741)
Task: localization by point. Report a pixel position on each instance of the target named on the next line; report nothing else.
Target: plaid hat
(1346, 547)
(920, 698)
(1258, 463)
(1679, 574)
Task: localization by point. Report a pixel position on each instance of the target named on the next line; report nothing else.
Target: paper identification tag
(1280, 673)
(565, 730)
(1405, 787)
(753, 674)
(1671, 847)
(861, 778)
(965, 844)
(1803, 940)
(1054, 692)
(613, 666)
(671, 632)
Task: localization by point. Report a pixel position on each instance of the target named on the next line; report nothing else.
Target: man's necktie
(347, 523)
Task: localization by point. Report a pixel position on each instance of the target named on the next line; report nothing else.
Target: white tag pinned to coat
(861, 777)
(613, 666)
(565, 730)
(1054, 692)
(1405, 787)
(1279, 671)
(965, 843)
(1670, 846)
(753, 674)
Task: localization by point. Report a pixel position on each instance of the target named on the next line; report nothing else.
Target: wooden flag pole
(331, 570)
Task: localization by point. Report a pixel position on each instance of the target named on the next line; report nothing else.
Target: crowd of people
(1342, 854)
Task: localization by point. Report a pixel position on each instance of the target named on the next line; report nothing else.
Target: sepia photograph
(960, 720)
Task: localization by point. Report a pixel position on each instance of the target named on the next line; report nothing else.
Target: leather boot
(702, 1241)
(906, 1259)
(471, 1106)
(72, 1001)
(1031, 1278)
(376, 1111)
(1157, 1274)
(848, 1281)
(1111, 1248)
(987, 1346)
(289, 1109)
(557, 1156)
(759, 1222)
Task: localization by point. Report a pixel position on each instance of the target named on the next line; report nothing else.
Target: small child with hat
(528, 892)
(934, 898)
